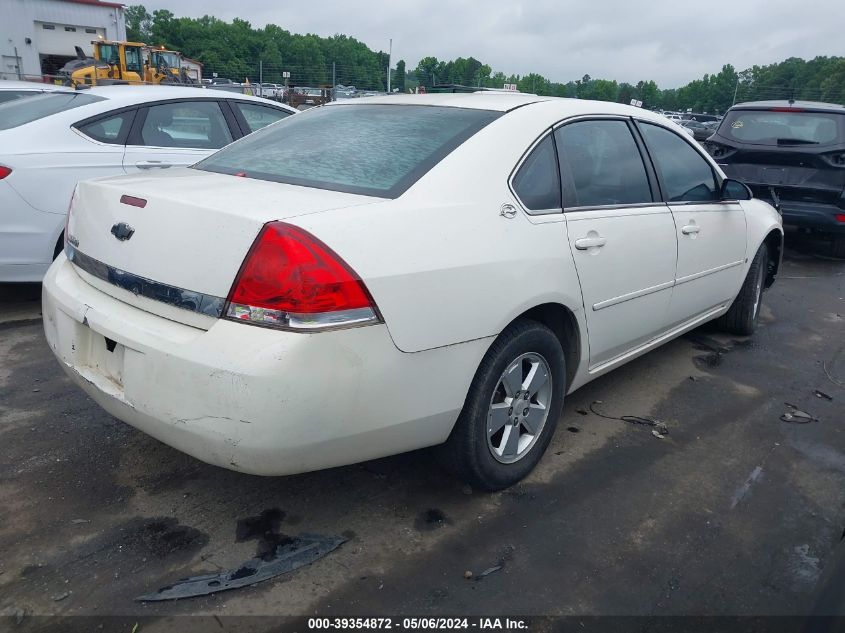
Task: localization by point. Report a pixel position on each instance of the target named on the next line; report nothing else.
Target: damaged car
(792, 154)
(444, 277)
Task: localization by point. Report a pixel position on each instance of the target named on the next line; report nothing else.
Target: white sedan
(445, 275)
(50, 142)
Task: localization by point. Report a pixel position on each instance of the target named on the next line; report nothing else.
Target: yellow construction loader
(124, 63)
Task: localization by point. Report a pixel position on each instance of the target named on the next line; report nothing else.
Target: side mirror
(735, 190)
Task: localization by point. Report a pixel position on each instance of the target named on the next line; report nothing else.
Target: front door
(621, 237)
(711, 232)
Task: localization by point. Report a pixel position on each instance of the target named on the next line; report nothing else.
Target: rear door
(178, 134)
(711, 232)
(621, 236)
(253, 116)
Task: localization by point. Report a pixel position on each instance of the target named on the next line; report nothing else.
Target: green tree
(138, 23)
(399, 76)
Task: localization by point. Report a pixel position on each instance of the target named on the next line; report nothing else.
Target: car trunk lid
(172, 244)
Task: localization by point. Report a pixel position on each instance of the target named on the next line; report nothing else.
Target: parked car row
(445, 276)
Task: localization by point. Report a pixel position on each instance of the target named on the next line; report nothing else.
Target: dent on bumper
(253, 399)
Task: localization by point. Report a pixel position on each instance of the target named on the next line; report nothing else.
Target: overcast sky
(670, 41)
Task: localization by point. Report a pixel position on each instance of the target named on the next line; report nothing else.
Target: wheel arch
(774, 242)
(562, 321)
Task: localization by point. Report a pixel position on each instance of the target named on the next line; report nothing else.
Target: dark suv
(791, 154)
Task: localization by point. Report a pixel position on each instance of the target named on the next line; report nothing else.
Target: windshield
(776, 127)
(171, 60)
(385, 148)
(23, 111)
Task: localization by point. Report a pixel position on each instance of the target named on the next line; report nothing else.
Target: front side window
(193, 124)
(259, 116)
(684, 173)
(601, 165)
(109, 54)
(22, 111)
(378, 150)
(111, 130)
(537, 183)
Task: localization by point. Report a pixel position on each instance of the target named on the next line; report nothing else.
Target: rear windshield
(11, 95)
(771, 127)
(23, 111)
(377, 150)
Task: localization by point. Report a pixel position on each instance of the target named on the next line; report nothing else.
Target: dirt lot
(734, 512)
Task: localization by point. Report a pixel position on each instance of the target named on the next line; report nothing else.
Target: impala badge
(122, 231)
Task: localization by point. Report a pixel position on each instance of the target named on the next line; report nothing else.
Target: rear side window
(685, 175)
(111, 129)
(768, 127)
(259, 116)
(192, 124)
(537, 183)
(601, 164)
(22, 111)
(377, 150)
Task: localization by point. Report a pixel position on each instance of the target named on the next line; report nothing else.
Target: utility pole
(389, 56)
(334, 83)
(260, 77)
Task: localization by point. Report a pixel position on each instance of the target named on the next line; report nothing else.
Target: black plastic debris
(300, 551)
(659, 428)
(822, 394)
(796, 416)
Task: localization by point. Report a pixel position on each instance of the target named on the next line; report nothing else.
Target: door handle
(588, 242)
(690, 229)
(152, 164)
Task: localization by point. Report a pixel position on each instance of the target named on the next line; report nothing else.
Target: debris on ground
(300, 551)
(467, 574)
(822, 394)
(573, 429)
(660, 429)
(80, 521)
(488, 571)
(582, 411)
(796, 416)
(61, 596)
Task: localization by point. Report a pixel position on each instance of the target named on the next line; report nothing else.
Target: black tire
(837, 246)
(744, 313)
(466, 453)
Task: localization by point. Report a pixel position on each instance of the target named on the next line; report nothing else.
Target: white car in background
(12, 90)
(50, 142)
(446, 274)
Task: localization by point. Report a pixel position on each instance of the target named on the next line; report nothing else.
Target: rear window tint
(22, 111)
(11, 95)
(767, 127)
(377, 150)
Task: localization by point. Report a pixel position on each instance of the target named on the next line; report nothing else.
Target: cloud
(665, 40)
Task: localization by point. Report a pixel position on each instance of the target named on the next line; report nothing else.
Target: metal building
(37, 37)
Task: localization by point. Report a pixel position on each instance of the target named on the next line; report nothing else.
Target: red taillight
(840, 217)
(786, 110)
(4, 171)
(290, 279)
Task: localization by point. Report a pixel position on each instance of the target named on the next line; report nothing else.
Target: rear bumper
(253, 399)
(812, 216)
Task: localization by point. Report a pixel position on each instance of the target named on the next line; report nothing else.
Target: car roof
(816, 106)
(499, 101)
(505, 102)
(7, 84)
(130, 95)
